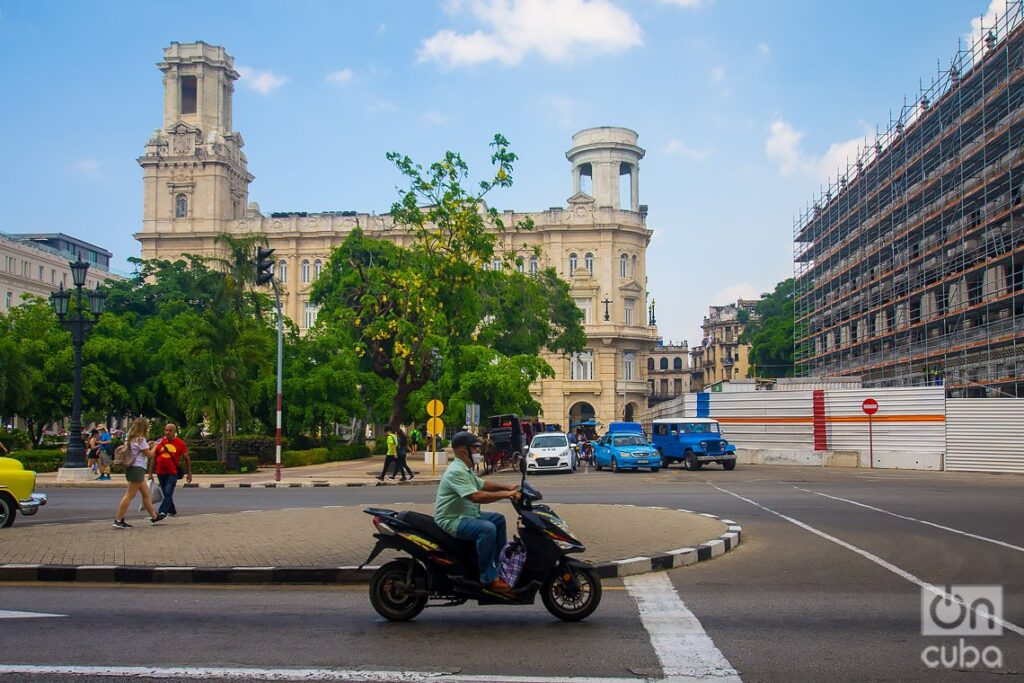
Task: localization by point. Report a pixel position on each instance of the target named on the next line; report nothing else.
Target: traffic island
(326, 545)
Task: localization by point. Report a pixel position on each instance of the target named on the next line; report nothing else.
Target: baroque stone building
(196, 186)
(721, 357)
(668, 371)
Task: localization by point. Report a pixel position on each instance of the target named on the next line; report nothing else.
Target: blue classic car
(693, 441)
(625, 447)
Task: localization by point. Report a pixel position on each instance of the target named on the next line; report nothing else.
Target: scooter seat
(426, 525)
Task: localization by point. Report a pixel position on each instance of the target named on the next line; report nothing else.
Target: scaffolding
(909, 267)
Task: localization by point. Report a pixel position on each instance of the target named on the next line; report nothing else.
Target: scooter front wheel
(574, 598)
(391, 593)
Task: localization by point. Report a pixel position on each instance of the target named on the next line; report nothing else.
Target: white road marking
(879, 561)
(685, 650)
(919, 521)
(253, 674)
(8, 614)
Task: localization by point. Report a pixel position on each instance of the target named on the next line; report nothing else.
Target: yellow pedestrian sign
(435, 408)
(435, 427)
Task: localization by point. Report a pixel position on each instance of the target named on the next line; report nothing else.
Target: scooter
(442, 571)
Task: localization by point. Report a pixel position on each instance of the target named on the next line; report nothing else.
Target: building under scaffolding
(910, 267)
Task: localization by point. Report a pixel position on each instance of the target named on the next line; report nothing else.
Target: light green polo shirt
(452, 503)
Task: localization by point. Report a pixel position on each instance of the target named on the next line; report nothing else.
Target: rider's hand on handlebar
(515, 495)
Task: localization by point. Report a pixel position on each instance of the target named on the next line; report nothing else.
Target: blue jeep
(692, 441)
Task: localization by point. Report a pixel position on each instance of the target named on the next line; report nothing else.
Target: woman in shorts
(135, 473)
(92, 451)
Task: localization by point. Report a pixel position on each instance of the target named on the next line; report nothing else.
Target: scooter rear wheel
(391, 595)
(567, 603)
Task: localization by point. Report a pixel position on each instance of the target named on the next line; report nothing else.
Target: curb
(45, 573)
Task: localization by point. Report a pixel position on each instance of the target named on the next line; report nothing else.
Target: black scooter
(442, 571)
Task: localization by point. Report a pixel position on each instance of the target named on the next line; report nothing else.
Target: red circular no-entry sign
(869, 406)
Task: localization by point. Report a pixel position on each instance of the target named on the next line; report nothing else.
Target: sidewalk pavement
(323, 545)
(362, 472)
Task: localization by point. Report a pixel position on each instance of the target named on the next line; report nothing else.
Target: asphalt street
(826, 585)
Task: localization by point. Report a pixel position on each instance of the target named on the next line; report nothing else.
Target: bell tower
(195, 175)
(605, 164)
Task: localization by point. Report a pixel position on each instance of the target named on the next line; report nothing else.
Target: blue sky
(744, 108)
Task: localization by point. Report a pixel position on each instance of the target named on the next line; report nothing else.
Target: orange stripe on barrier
(834, 418)
(888, 418)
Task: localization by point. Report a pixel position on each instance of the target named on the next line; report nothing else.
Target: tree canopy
(770, 334)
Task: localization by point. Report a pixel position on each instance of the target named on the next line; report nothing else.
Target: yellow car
(17, 486)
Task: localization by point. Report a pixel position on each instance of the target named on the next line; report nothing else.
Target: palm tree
(239, 267)
(224, 357)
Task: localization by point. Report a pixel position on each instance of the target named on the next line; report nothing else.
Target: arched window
(534, 266)
(628, 365)
(521, 266)
(677, 364)
(664, 364)
(573, 262)
(650, 364)
(588, 261)
(181, 206)
(282, 270)
(623, 265)
(304, 274)
(318, 268)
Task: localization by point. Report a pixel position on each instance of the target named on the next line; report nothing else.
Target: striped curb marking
(680, 557)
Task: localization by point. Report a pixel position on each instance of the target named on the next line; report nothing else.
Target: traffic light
(264, 265)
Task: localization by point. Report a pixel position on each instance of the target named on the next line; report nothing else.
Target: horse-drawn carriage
(505, 443)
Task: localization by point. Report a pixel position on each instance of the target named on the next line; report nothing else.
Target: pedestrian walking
(135, 473)
(106, 454)
(414, 438)
(392, 452)
(92, 451)
(171, 462)
(401, 454)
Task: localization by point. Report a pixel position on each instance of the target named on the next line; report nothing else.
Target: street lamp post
(79, 324)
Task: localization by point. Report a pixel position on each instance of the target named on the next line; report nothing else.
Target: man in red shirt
(167, 461)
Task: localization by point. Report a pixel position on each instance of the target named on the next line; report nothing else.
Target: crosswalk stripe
(684, 648)
(9, 614)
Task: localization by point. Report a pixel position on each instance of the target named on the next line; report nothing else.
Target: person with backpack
(414, 437)
(401, 453)
(134, 454)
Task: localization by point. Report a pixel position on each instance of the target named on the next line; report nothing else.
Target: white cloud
(263, 82)
(718, 74)
(764, 49)
(677, 148)
(87, 166)
(980, 26)
(557, 30)
(435, 118)
(784, 147)
(341, 76)
(382, 27)
(692, 4)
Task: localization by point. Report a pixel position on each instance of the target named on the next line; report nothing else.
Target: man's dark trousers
(167, 484)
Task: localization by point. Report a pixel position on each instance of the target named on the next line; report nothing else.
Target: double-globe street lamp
(79, 324)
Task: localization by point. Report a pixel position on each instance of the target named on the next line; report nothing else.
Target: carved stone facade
(196, 186)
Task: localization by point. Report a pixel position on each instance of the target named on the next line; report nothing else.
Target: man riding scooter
(457, 508)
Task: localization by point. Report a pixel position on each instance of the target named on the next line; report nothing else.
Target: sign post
(870, 407)
(434, 427)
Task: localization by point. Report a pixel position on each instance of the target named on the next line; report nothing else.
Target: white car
(550, 452)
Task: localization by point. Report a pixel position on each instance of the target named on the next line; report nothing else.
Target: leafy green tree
(41, 391)
(395, 304)
(770, 334)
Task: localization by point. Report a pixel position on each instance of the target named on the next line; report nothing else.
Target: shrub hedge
(317, 456)
(40, 460)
